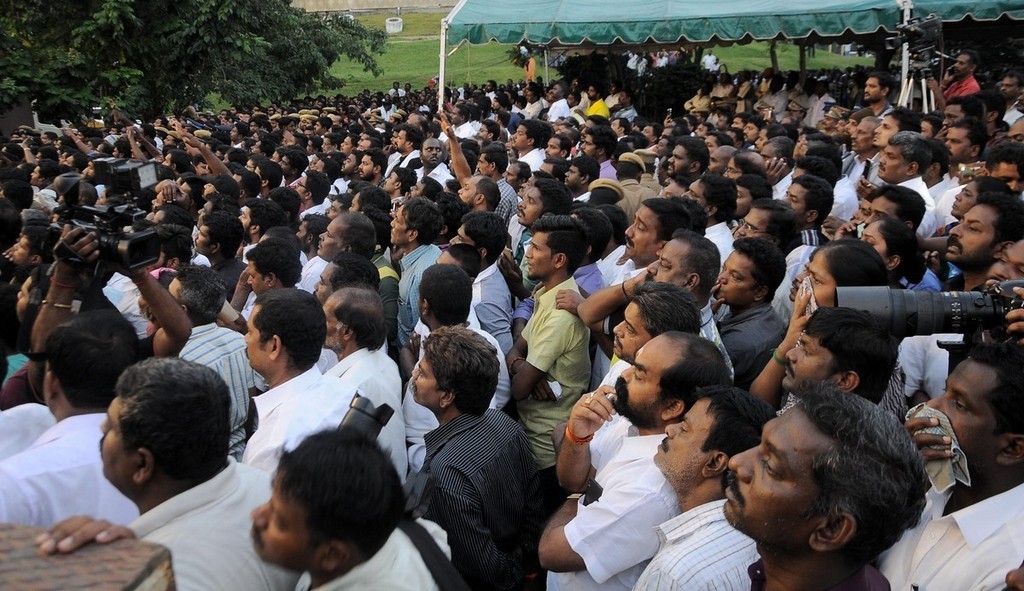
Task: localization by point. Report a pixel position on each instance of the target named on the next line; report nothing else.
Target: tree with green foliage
(156, 56)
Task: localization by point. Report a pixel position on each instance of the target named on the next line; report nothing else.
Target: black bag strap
(445, 575)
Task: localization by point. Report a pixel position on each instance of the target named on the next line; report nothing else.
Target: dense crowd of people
(615, 346)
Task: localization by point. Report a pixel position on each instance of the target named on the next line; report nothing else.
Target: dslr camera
(908, 313)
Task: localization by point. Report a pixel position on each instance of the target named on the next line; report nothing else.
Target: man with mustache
(699, 549)
(604, 539)
(990, 227)
(834, 482)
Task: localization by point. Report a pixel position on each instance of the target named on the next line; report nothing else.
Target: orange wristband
(574, 439)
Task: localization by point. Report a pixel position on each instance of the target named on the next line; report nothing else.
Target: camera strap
(441, 569)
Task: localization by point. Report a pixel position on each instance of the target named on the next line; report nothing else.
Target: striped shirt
(700, 551)
(223, 350)
(486, 496)
(509, 201)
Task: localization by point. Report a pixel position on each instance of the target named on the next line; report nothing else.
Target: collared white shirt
(441, 174)
(206, 528)
(944, 206)
(559, 110)
(609, 265)
(376, 378)
(400, 161)
(700, 550)
(534, 159)
(939, 189)
(615, 535)
(779, 189)
(311, 273)
(61, 475)
(21, 425)
(467, 130)
(928, 223)
(856, 170)
(721, 235)
(303, 405)
(397, 566)
(972, 548)
(317, 208)
(845, 201)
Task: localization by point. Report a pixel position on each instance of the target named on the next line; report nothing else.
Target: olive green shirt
(557, 344)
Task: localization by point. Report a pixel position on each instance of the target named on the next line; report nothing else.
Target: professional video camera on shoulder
(119, 245)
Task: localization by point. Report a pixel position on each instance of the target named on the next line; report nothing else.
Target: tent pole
(441, 66)
(547, 74)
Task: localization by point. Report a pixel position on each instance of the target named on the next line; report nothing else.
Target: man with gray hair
(834, 483)
(201, 293)
(902, 162)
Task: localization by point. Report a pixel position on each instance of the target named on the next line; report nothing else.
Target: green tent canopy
(649, 22)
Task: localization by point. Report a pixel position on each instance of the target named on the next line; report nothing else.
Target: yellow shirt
(599, 107)
(557, 344)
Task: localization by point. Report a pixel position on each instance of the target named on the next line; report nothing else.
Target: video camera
(922, 36)
(909, 313)
(118, 245)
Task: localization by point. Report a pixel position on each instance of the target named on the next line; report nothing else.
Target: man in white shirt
(407, 142)
(903, 159)
(604, 539)
(717, 195)
(356, 333)
(529, 141)
(287, 331)
(346, 533)
(61, 473)
(699, 549)
(559, 108)
(165, 442)
(968, 536)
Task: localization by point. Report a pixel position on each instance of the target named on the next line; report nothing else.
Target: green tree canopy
(161, 55)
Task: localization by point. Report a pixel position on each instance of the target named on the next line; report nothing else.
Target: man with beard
(699, 549)
(834, 482)
(372, 165)
(994, 223)
(876, 93)
(604, 539)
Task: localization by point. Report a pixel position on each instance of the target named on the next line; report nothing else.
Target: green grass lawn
(412, 56)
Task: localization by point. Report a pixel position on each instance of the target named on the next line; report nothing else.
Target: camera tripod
(917, 75)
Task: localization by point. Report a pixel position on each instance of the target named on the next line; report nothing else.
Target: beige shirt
(206, 528)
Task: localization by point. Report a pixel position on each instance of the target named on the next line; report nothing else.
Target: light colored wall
(368, 5)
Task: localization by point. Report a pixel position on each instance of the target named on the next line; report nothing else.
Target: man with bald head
(357, 333)
(720, 157)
